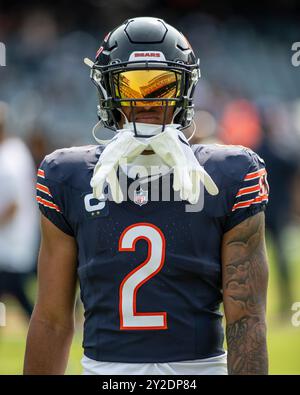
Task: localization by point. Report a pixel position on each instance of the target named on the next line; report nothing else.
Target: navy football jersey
(150, 271)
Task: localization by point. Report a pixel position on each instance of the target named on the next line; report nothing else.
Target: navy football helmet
(145, 62)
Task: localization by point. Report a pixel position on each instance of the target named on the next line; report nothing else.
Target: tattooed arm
(245, 279)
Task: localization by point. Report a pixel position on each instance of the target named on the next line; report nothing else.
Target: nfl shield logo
(140, 197)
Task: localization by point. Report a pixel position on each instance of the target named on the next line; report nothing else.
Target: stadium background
(249, 94)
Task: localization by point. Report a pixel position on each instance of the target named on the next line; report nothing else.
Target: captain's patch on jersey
(95, 208)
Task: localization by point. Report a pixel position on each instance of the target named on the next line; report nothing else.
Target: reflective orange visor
(147, 84)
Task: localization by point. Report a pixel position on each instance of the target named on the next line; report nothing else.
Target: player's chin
(154, 120)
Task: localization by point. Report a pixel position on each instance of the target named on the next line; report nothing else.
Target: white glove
(173, 147)
(122, 146)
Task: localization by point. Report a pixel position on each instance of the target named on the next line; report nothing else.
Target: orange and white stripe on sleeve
(255, 190)
(44, 196)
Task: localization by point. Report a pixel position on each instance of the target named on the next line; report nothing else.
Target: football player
(153, 270)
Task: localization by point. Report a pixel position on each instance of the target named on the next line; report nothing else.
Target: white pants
(209, 366)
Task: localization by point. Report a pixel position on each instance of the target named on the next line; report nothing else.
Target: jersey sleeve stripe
(262, 199)
(43, 188)
(41, 173)
(48, 204)
(255, 174)
(247, 203)
(247, 190)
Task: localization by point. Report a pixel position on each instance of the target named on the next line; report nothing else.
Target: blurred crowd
(248, 95)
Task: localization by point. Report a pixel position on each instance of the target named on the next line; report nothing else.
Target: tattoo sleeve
(245, 279)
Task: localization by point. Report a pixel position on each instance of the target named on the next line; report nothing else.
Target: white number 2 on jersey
(129, 317)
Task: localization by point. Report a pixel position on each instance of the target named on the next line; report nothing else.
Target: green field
(283, 337)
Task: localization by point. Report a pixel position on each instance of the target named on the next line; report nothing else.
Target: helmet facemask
(140, 84)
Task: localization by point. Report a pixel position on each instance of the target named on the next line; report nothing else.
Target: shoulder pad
(63, 165)
(227, 164)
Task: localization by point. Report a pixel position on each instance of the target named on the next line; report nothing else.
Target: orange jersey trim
(255, 174)
(245, 191)
(41, 173)
(43, 188)
(248, 203)
(48, 204)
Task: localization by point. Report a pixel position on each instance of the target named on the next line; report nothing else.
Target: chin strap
(193, 132)
(98, 125)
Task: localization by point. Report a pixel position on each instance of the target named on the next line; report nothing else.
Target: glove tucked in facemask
(173, 148)
(123, 145)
